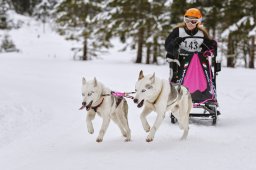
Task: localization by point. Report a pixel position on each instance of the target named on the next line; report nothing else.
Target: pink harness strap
(122, 94)
(118, 94)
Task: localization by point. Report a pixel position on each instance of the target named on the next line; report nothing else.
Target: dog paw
(149, 139)
(127, 140)
(99, 140)
(124, 135)
(91, 131)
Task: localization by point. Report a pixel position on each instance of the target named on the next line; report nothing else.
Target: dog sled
(198, 71)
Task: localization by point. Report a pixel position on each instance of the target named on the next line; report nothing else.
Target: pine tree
(24, 6)
(238, 40)
(126, 21)
(250, 7)
(75, 21)
(233, 12)
(7, 45)
(158, 27)
(43, 11)
(143, 21)
(178, 9)
(212, 14)
(3, 16)
(131, 16)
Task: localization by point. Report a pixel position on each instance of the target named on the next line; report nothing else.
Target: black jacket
(172, 48)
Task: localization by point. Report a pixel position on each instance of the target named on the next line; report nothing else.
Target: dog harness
(119, 96)
(96, 107)
(173, 97)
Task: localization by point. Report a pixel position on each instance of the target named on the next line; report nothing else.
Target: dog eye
(89, 94)
(143, 90)
(149, 87)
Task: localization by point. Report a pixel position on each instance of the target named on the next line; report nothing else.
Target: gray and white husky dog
(160, 96)
(98, 99)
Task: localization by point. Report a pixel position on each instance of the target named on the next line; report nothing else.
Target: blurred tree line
(143, 25)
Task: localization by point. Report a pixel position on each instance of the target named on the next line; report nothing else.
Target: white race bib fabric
(191, 44)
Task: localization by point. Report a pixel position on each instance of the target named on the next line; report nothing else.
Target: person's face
(190, 26)
(191, 22)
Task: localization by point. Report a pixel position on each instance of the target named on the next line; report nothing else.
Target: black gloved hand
(178, 40)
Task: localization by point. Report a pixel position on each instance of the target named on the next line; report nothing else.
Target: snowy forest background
(141, 25)
(47, 46)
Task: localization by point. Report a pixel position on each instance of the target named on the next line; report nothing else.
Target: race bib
(191, 44)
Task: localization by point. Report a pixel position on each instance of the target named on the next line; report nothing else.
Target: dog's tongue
(89, 106)
(82, 107)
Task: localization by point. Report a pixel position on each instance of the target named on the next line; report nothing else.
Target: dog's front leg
(104, 126)
(90, 116)
(144, 114)
(159, 119)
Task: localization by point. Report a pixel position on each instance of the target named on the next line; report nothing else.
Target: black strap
(96, 107)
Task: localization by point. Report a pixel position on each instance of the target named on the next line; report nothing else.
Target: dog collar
(96, 107)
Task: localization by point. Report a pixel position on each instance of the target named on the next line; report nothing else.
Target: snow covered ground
(41, 127)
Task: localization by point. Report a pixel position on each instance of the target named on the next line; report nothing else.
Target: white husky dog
(160, 96)
(98, 99)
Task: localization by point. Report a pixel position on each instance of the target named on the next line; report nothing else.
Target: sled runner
(197, 71)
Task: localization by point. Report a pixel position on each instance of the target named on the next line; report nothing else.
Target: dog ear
(95, 82)
(152, 78)
(83, 81)
(141, 76)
